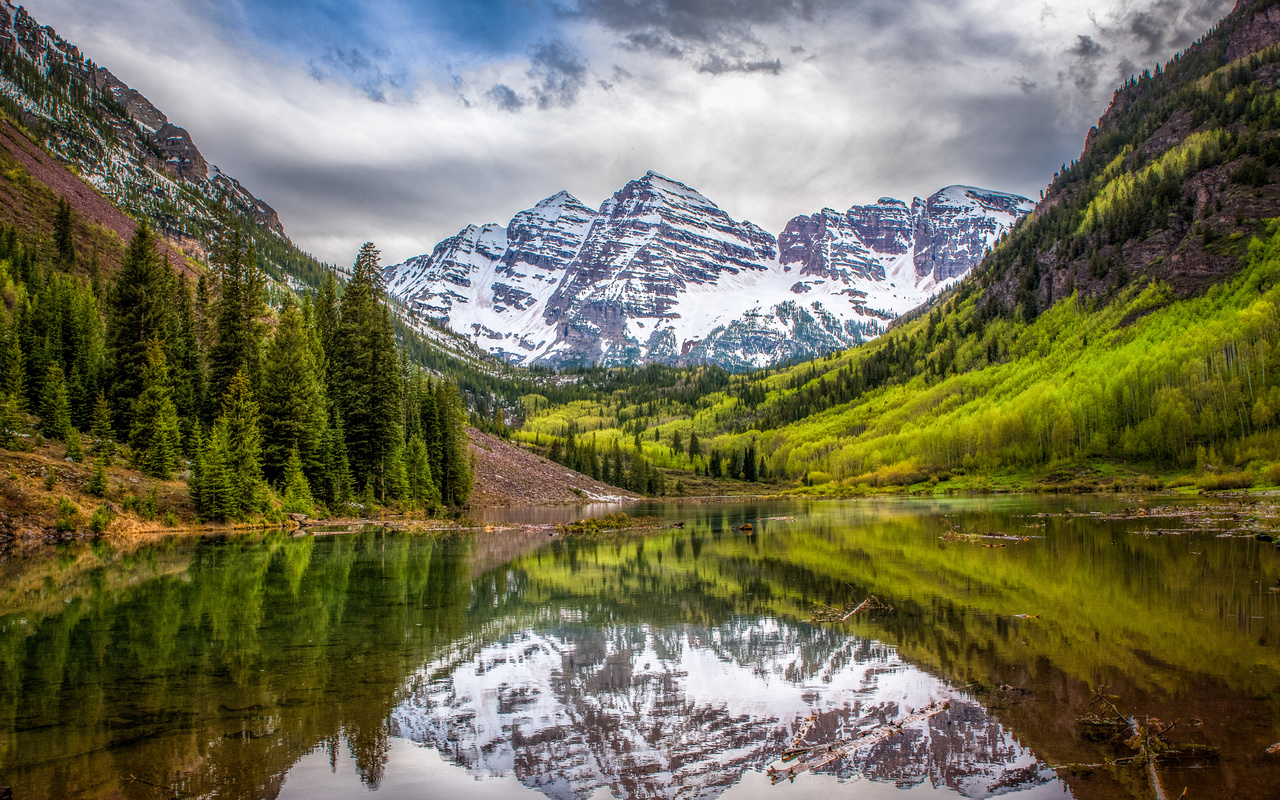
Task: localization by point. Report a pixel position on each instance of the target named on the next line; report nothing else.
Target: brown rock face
(1261, 31)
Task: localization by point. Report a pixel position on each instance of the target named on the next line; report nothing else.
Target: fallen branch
(811, 760)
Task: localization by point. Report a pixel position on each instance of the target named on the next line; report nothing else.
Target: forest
(264, 401)
(1085, 340)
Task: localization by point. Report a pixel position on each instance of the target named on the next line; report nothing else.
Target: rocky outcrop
(118, 140)
(660, 273)
(1260, 30)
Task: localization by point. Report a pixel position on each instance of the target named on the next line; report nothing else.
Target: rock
(298, 518)
(661, 274)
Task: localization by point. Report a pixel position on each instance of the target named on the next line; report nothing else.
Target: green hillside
(1126, 327)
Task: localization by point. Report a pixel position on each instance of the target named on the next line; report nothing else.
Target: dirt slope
(505, 475)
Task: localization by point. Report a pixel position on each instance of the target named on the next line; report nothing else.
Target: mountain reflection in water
(683, 712)
(675, 664)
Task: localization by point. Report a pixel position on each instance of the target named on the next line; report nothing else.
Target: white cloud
(864, 104)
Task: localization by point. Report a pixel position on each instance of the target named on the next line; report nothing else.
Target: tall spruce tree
(293, 399)
(237, 436)
(155, 435)
(63, 239)
(241, 301)
(365, 384)
(137, 311)
(55, 405)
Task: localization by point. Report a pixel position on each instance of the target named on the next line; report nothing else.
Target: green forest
(264, 405)
(1078, 344)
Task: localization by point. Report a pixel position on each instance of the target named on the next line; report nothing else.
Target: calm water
(680, 664)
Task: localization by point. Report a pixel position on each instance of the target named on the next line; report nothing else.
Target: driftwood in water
(818, 756)
(828, 614)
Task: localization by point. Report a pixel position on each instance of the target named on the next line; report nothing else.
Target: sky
(402, 121)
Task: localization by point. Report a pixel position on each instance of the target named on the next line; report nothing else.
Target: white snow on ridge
(660, 273)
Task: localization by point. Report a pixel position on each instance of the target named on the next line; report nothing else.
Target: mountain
(660, 273)
(686, 711)
(1125, 335)
(120, 143)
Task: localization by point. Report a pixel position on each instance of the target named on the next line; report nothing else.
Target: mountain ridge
(659, 273)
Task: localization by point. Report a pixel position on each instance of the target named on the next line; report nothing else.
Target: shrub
(1227, 480)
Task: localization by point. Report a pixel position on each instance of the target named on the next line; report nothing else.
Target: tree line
(311, 398)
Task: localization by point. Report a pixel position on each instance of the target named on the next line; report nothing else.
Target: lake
(1031, 647)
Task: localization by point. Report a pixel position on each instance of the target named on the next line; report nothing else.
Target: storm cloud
(401, 122)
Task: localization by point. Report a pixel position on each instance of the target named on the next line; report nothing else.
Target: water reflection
(676, 664)
(644, 711)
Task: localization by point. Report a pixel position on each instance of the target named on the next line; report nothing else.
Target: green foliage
(238, 444)
(137, 313)
(296, 490)
(293, 402)
(156, 434)
(97, 483)
(55, 405)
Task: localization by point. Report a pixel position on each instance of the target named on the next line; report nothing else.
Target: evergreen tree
(15, 374)
(156, 433)
(241, 300)
(297, 492)
(215, 491)
(241, 441)
(13, 423)
(422, 489)
(137, 311)
(184, 354)
(336, 482)
(695, 449)
(63, 240)
(97, 483)
(365, 385)
(100, 428)
(749, 463)
(293, 401)
(55, 406)
(75, 449)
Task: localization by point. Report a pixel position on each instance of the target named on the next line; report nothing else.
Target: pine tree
(75, 449)
(293, 401)
(100, 428)
(243, 443)
(55, 406)
(336, 483)
(156, 435)
(184, 354)
(97, 483)
(63, 241)
(13, 423)
(749, 464)
(297, 492)
(15, 375)
(422, 489)
(365, 375)
(137, 311)
(695, 449)
(215, 491)
(241, 301)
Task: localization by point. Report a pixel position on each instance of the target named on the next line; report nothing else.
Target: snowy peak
(957, 225)
(661, 273)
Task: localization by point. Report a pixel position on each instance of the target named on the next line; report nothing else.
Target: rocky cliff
(120, 143)
(660, 273)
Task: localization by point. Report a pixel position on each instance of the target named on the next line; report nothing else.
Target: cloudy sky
(400, 121)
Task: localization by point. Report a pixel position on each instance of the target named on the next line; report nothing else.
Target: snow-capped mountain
(685, 712)
(660, 273)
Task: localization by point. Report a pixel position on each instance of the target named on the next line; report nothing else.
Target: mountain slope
(1127, 326)
(661, 274)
